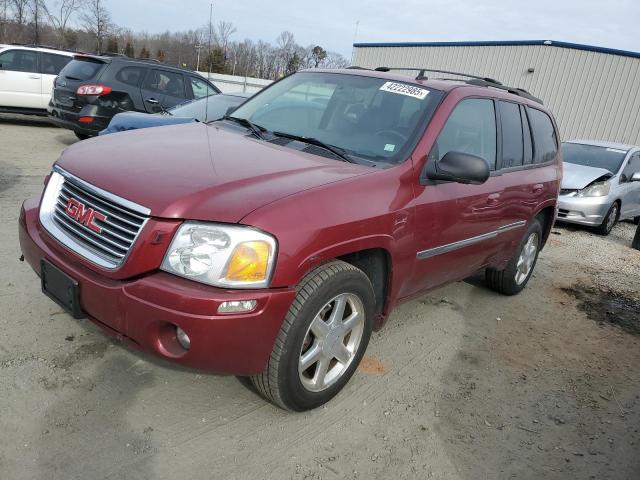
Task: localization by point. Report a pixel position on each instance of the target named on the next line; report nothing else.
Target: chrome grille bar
(107, 245)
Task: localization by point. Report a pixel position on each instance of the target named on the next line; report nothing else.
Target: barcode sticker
(404, 89)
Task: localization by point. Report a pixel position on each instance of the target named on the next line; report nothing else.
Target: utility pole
(355, 36)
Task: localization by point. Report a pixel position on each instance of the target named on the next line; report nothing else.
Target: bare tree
(60, 14)
(97, 21)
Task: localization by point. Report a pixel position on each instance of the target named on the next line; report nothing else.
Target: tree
(144, 53)
(161, 55)
(112, 45)
(318, 54)
(97, 22)
(128, 50)
(60, 15)
(19, 8)
(214, 61)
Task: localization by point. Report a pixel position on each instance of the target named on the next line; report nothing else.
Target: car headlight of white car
(598, 189)
(221, 255)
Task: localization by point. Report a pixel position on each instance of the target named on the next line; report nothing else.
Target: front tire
(610, 220)
(516, 275)
(322, 338)
(81, 136)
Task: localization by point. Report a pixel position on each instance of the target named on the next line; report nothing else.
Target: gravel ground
(460, 384)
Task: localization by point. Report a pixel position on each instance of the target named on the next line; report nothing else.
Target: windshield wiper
(318, 143)
(255, 129)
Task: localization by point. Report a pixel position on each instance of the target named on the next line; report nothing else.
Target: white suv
(27, 75)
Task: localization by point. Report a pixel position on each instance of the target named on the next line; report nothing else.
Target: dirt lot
(461, 384)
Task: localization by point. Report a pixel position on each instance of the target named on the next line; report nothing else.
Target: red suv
(269, 244)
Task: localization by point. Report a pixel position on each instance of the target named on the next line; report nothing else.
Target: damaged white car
(601, 184)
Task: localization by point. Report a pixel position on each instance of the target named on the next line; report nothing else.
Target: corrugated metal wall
(593, 95)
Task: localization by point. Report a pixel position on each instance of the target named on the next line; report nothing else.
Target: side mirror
(635, 177)
(459, 167)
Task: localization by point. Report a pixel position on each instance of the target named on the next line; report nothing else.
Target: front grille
(567, 191)
(105, 240)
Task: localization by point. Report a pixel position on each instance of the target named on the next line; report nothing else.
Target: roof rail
(39, 45)
(473, 80)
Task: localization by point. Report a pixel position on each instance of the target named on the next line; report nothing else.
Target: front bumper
(144, 311)
(583, 210)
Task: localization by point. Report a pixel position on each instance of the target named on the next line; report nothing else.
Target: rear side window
(19, 61)
(83, 70)
(168, 83)
(471, 128)
(512, 142)
(200, 88)
(51, 64)
(131, 75)
(545, 142)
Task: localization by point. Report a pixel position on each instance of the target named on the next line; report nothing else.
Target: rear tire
(331, 314)
(81, 136)
(610, 220)
(516, 275)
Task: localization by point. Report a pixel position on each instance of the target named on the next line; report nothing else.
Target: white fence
(236, 83)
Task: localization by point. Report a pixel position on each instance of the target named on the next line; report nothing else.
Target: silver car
(600, 185)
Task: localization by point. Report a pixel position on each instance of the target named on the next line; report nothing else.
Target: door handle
(153, 101)
(537, 188)
(493, 199)
(34, 77)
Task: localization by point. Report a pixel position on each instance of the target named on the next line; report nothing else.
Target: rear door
(128, 79)
(20, 80)
(163, 89)
(50, 66)
(457, 224)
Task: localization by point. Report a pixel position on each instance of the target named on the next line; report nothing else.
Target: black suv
(91, 89)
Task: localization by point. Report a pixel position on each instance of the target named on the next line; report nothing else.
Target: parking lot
(460, 384)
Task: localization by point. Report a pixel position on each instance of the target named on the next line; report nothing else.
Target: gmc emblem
(81, 214)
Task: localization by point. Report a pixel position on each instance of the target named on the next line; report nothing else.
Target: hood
(134, 120)
(198, 171)
(577, 177)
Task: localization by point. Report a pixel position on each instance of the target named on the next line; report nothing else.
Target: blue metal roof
(498, 43)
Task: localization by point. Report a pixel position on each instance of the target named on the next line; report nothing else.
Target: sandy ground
(460, 384)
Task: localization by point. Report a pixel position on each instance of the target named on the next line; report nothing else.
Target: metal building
(594, 92)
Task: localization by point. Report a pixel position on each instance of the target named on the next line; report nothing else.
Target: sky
(332, 23)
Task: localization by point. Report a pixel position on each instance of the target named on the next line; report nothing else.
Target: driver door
(456, 223)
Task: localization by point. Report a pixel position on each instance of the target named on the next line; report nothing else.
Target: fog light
(237, 306)
(183, 338)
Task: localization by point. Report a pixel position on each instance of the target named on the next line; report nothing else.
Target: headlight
(600, 189)
(221, 255)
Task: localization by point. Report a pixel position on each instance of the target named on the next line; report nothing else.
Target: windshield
(198, 109)
(593, 156)
(366, 117)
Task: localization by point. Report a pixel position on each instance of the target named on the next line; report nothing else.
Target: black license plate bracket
(61, 288)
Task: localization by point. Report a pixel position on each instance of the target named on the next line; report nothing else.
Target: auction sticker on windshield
(404, 89)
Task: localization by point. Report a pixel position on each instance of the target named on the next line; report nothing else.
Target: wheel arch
(547, 216)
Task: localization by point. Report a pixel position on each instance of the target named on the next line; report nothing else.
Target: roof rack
(473, 80)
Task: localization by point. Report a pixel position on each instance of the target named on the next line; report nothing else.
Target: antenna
(206, 105)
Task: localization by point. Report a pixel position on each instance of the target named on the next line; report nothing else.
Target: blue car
(204, 109)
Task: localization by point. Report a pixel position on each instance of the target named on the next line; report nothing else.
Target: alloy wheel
(331, 342)
(527, 258)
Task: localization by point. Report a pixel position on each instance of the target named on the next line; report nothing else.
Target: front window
(593, 156)
(366, 117)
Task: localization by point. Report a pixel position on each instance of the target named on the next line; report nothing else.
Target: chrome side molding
(450, 247)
